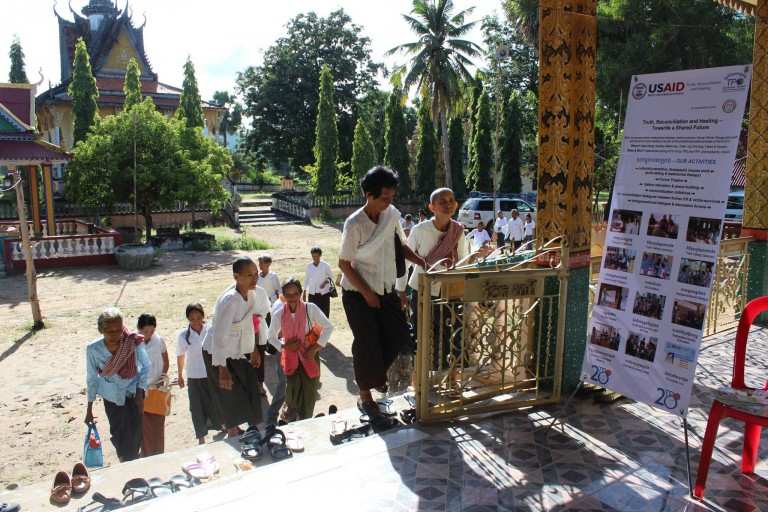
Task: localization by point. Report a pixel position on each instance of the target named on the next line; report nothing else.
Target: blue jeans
(278, 396)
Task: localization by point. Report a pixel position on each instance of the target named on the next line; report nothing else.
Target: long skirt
(124, 428)
(301, 394)
(242, 403)
(204, 406)
(153, 434)
(378, 336)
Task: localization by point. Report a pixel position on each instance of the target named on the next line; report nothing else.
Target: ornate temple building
(112, 39)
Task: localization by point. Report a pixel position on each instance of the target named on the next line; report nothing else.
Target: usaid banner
(680, 137)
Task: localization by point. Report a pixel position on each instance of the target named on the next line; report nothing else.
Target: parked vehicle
(734, 208)
(484, 207)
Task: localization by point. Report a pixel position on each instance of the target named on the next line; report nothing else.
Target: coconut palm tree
(524, 16)
(438, 59)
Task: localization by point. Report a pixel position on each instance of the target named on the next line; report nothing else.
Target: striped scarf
(123, 361)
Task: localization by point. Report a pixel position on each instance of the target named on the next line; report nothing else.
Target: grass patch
(227, 239)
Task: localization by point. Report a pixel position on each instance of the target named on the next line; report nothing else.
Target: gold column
(567, 48)
(756, 192)
(34, 200)
(48, 185)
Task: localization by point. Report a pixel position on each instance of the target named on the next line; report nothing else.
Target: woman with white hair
(117, 369)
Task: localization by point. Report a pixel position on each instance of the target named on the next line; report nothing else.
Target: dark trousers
(203, 407)
(242, 403)
(125, 428)
(323, 301)
(378, 336)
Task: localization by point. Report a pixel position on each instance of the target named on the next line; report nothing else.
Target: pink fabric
(123, 361)
(256, 323)
(294, 326)
(447, 246)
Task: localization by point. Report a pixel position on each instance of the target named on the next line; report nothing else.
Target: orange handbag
(157, 401)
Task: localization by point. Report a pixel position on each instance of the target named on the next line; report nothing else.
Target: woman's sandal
(408, 416)
(180, 482)
(137, 490)
(81, 481)
(252, 452)
(106, 502)
(160, 487)
(278, 450)
(357, 432)
(251, 436)
(61, 492)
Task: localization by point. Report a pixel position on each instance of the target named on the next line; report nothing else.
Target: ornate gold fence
(729, 289)
(490, 336)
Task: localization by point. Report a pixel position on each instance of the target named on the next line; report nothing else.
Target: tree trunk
(147, 213)
(34, 302)
(446, 149)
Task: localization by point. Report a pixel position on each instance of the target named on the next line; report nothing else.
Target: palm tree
(524, 17)
(439, 59)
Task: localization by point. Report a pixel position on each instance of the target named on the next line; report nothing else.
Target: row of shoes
(137, 490)
(253, 444)
(65, 486)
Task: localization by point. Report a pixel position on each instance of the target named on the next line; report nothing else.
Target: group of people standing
(514, 230)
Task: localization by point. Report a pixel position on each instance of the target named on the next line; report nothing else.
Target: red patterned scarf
(123, 361)
(447, 246)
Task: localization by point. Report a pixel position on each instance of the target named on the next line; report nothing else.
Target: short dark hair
(146, 319)
(240, 264)
(195, 306)
(292, 281)
(408, 216)
(316, 250)
(265, 258)
(379, 178)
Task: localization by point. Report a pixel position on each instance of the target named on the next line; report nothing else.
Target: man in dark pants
(374, 309)
(317, 282)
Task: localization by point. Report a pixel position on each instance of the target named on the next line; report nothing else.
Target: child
(271, 284)
(479, 237)
(529, 228)
(203, 400)
(317, 282)
(153, 439)
(407, 224)
(290, 333)
(229, 350)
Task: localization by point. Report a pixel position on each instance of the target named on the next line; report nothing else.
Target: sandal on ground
(252, 452)
(137, 490)
(106, 502)
(276, 444)
(251, 436)
(368, 408)
(383, 423)
(408, 416)
(386, 407)
(10, 507)
(204, 468)
(61, 492)
(295, 442)
(357, 432)
(81, 481)
(160, 487)
(183, 482)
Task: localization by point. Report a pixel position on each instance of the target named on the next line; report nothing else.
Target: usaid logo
(639, 91)
(666, 88)
(735, 82)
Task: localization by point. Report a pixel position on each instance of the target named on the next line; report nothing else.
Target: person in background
(291, 324)
(500, 229)
(422, 216)
(515, 230)
(317, 282)
(529, 229)
(203, 399)
(153, 437)
(270, 282)
(407, 224)
(117, 369)
(478, 237)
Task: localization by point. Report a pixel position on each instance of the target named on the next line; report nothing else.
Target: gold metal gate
(490, 336)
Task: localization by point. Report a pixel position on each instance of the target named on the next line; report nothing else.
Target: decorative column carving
(49, 211)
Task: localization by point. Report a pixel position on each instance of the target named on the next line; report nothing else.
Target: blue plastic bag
(93, 456)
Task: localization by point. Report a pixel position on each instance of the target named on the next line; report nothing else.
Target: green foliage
(190, 104)
(456, 140)
(233, 115)
(83, 92)
(326, 136)
(475, 91)
(372, 109)
(281, 96)
(511, 147)
(426, 157)
(363, 152)
(132, 85)
(396, 140)
(513, 63)
(481, 166)
(16, 54)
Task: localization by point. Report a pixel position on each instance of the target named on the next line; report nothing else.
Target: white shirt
(315, 315)
(423, 238)
(155, 348)
(316, 278)
(370, 247)
(271, 285)
(231, 335)
(529, 228)
(515, 229)
(194, 366)
(479, 237)
(500, 224)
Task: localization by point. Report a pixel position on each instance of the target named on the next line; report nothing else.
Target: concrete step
(265, 217)
(257, 202)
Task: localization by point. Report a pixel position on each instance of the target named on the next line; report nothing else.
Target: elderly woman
(118, 370)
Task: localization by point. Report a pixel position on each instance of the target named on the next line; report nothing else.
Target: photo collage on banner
(681, 133)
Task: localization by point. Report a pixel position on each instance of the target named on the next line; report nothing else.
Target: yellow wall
(121, 53)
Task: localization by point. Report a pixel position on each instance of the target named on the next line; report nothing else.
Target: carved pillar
(567, 48)
(49, 211)
(756, 191)
(34, 200)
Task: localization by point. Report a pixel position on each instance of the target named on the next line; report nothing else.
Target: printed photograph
(605, 336)
(703, 231)
(641, 346)
(626, 221)
(688, 314)
(649, 304)
(663, 225)
(656, 265)
(679, 355)
(695, 272)
(618, 258)
(613, 296)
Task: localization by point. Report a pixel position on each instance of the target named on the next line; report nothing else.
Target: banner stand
(688, 455)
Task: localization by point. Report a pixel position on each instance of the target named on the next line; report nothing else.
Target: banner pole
(688, 456)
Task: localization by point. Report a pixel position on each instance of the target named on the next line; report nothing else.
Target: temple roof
(744, 6)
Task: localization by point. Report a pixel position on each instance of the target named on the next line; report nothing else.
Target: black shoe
(369, 408)
(332, 409)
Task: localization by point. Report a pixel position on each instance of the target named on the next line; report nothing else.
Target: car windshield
(735, 202)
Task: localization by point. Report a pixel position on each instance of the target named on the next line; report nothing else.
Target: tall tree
(233, 113)
(426, 159)
(17, 74)
(280, 95)
(439, 59)
(363, 152)
(190, 103)
(83, 92)
(132, 85)
(326, 135)
(456, 138)
(372, 108)
(480, 168)
(396, 140)
(511, 147)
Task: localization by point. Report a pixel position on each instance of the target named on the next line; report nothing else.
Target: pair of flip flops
(253, 444)
(357, 432)
(203, 468)
(138, 490)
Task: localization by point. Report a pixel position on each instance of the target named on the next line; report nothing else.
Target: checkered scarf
(123, 361)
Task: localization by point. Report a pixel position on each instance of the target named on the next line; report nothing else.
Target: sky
(221, 37)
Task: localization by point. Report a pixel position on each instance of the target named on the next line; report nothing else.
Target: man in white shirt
(500, 228)
(515, 229)
(479, 237)
(317, 282)
(368, 262)
(267, 279)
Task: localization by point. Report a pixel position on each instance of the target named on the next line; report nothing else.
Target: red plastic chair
(753, 423)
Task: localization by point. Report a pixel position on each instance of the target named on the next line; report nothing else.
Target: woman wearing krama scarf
(117, 369)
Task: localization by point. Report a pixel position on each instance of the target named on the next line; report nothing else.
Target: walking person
(230, 349)
(529, 228)
(317, 282)
(203, 400)
(270, 282)
(375, 311)
(479, 237)
(117, 369)
(500, 228)
(153, 436)
(299, 330)
(515, 230)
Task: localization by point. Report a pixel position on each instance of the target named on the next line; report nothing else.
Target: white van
(484, 208)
